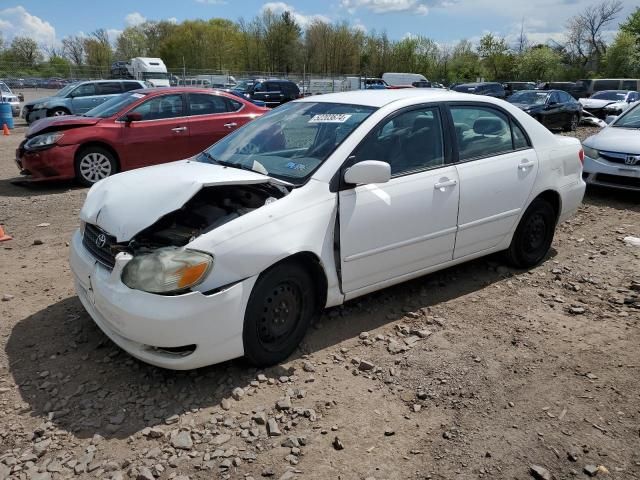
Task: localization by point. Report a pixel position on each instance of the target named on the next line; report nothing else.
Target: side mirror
(132, 117)
(368, 171)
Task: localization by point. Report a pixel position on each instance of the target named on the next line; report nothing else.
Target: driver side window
(85, 90)
(408, 142)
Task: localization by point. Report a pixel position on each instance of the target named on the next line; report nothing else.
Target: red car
(135, 129)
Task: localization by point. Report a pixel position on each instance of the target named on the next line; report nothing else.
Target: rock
(284, 404)
(220, 439)
(6, 297)
(337, 444)
(272, 428)
(388, 432)
(40, 448)
(4, 472)
(172, 419)
(154, 433)
(268, 472)
(576, 310)
(290, 442)
(226, 464)
(237, 393)
(591, 470)
(182, 440)
(573, 454)
(365, 366)
(262, 378)
(288, 475)
(37, 241)
(117, 419)
(260, 418)
(307, 366)
(540, 473)
(40, 476)
(144, 474)
(631, 241)
(394, 347)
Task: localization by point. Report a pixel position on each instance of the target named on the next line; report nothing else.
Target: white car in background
(7, 96)
(609, 102)
(612, 156)
(324, 199)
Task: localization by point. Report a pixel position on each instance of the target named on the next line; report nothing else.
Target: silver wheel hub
(95, 166)
(59, 113)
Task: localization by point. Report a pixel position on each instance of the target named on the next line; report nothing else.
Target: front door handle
(178, 129)
(524, 164)
(444, 184)
(231, 125)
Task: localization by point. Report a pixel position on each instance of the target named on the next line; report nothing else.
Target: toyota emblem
(632, 160)
(101, 240)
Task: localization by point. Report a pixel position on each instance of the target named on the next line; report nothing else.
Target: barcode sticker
(330, 118)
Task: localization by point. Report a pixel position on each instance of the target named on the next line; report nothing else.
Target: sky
(445, 21)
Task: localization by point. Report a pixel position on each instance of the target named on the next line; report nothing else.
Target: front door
(161, 136)
(497, 168)
(407, 225)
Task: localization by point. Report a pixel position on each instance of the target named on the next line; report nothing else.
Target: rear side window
(128, 86)
(629, 84)
(482, 132)
(205, 104)
(108, 88)
(599, 85)
(232, 105)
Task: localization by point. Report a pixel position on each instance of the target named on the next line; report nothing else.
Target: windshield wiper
(239, 166)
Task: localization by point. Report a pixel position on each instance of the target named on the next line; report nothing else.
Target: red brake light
(581, 156)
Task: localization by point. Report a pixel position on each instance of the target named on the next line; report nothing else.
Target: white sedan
(322, 200)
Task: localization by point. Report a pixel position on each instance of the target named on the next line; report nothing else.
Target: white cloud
(134, 18)
(300, 18)
(418, 7)
(17, 21)
(113, 34)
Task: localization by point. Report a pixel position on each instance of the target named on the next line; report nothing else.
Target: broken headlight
(167, 270)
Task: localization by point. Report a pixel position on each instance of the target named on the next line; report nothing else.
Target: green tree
(497, 60)
(464, 64)
(73, 49)
(538, 63)
(25, 51)
(98, 51)
(131, 43)
(623, 57)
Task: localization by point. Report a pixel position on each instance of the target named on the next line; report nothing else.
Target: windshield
(529, 97)
(243, 85)
(4, 87)
(609, 95)
(629, 119)
(65, 91)
(155, 75)
(114, 105)
(289, 142)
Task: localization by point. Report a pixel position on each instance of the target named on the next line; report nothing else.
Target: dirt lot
(479, 371)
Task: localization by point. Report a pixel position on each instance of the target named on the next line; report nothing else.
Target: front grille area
(615, 157)
(629, 182)
(103, 252)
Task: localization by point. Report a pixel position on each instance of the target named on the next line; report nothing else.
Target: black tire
(533, 237)
(93, 164)
(280, 309)
(573, 123)
(57, 112)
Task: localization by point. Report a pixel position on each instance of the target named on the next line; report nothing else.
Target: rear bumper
(571, 198)
(607, 174)
(54, 163)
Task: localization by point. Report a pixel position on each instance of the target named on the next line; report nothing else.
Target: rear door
(161, 136)
(497, 168)
(211, 117)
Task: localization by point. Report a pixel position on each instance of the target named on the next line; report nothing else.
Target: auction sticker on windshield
(330, 118)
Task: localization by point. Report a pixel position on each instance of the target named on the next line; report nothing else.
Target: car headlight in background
(590, 152)
(43, 141)
(167, 270)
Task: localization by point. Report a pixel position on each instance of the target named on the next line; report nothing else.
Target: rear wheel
(534, 235)
(94, 164)
(280, 309)
(573, 123)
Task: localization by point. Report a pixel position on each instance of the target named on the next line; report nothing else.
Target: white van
(404, 79)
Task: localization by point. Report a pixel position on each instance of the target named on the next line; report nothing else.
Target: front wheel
(533, 236)
(57, 112)
(573, 123)
(280, 309)
(94, 164)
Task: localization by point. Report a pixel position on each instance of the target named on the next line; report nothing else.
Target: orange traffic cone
(5, 130)
(3, 236)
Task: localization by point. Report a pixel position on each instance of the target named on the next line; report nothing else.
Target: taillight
(581, 156)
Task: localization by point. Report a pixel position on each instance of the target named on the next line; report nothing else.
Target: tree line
(275, 42)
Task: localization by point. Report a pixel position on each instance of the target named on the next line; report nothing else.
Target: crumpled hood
(616, 139)
(127, 203)
(64, 122)
(595, 103)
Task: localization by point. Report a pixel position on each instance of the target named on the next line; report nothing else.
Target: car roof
(187, 89)
(380, 98)
(614, 91)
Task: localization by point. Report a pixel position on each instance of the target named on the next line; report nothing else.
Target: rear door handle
(178, 129)
(231, 125)
(524, 164)
(444, 184)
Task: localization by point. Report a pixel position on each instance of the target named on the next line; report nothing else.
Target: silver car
(9, 97)
(77, 98)
(612, 156)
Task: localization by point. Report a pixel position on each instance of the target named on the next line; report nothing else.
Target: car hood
(616, 139)
(591, 103)
(60, 123)
(528, 106)
(127, 203)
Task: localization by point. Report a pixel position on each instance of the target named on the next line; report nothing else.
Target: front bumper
(34, 115)
(608, 174)
(55, 163)
(145, 324)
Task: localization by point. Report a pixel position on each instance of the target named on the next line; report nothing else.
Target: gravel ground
(479, 371)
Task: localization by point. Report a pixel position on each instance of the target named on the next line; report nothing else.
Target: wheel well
(88, 145)
(553, 198)
(312, 264)
(58, 108)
